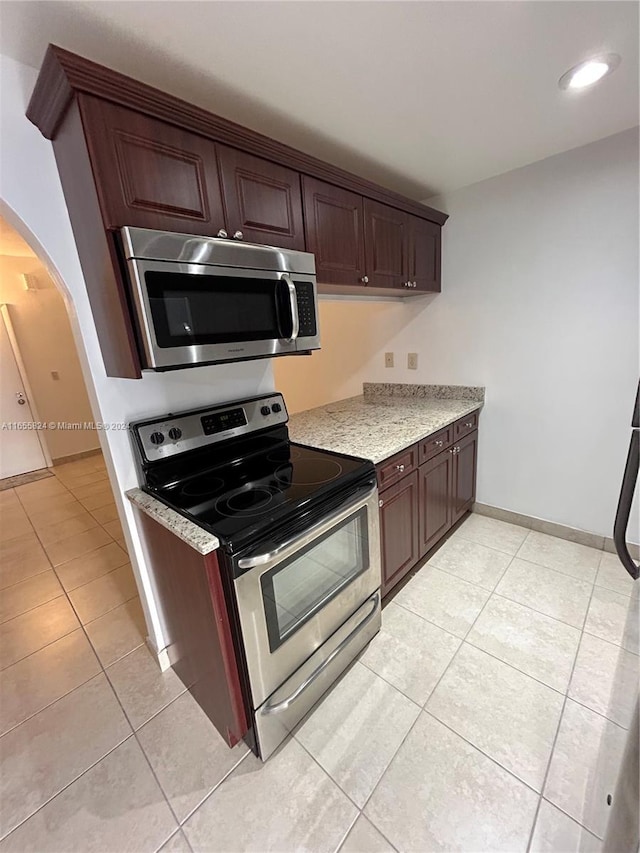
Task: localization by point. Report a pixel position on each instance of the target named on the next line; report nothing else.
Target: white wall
(351, 334)
(540, 304)
(41, 325)
(31, 196)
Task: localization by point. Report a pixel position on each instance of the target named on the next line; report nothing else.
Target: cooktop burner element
(203, 486)
(248, 500)
(312, 472)
(238, 482)
(285, 454)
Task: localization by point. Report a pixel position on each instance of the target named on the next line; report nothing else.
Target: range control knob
(175, 433)
(265, 410)
(156, 438)
(276, 408)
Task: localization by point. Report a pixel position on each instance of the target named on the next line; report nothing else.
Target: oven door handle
(290, 546)
(286, 703)
(293, 304)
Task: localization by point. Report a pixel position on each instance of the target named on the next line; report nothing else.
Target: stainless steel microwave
(202, 300)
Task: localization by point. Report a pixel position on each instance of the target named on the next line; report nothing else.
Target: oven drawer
(287, 706)
(434, 444)
(397, 467)
(466, 425)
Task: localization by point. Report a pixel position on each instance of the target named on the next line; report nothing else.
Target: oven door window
(196, 310)
(299, 587)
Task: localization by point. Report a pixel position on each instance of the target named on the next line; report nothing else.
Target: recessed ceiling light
(589, 72)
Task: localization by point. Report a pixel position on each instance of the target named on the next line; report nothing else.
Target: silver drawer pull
(469, 424)
(286, 703)
(381, 503)
(400, 468)
(438, 443)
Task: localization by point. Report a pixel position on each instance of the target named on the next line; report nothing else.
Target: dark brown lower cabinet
(419, 509)
(463, 477)
(435, 499)
(399, 529)
(202, 640)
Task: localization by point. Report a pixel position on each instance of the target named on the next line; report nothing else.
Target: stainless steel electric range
(299, 538)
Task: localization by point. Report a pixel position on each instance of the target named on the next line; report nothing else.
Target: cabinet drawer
(465, 425)
(434, 444)
(398, 466)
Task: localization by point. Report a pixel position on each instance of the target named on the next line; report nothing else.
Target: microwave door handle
(293, 303)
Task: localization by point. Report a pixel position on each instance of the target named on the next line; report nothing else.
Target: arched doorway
(68, 588)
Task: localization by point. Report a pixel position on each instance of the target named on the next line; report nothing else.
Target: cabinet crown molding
(64, 74)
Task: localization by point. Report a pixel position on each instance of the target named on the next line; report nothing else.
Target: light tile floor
(489, 713)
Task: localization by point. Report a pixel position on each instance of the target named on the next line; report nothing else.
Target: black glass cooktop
(239, 498)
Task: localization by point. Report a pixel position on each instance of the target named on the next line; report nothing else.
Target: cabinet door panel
(335, 232)
(424, 254)
(262, 200)
(435, 499)
(399, 530)
(151, 174)
(386, 244)
(464, 475)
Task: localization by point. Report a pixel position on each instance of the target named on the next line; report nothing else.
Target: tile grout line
(126, 717)
(76, 628)
(560, 719)
(65, 787)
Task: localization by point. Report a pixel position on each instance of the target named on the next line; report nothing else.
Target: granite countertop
(384, 420)
(377, 425)
(203, 541)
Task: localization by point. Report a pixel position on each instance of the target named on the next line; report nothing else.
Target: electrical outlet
(412, 361)
(388, 359)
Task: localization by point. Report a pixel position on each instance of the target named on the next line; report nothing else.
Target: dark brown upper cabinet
(386, 245)
(334, 229)
(151, 174)
(129, 154)
(424, 254)
(263, 200)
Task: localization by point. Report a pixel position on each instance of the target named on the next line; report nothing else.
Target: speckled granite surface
(200, 539)
(429, 392)
(376, 426)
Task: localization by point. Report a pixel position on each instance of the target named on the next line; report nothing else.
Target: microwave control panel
(306, 309)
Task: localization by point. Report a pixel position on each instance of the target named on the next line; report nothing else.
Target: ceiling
(422, 97)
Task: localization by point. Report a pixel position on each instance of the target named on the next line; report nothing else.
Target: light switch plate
(412, 361)
(388, 359)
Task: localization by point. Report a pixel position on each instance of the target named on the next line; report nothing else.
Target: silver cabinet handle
(400, 468)
(469, 425)
(415, 283)
(238, 235)
(293, 302)
(438, 443)
(222, 233)
(286, 703)
(365, 279)
(380, 503)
